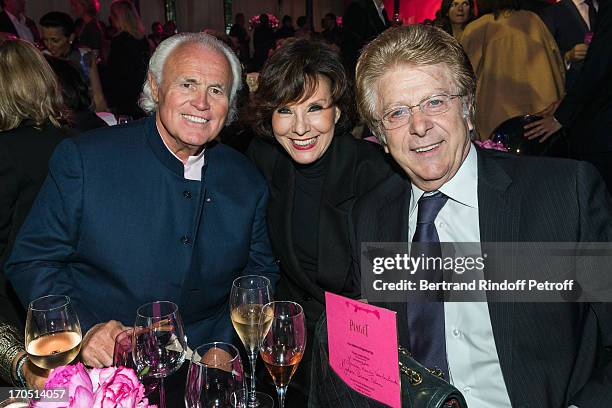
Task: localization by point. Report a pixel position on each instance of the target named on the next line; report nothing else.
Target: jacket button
(187, 194)
(208, 199)
(185, 240)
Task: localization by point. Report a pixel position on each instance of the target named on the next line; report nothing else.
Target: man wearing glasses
(415, 90)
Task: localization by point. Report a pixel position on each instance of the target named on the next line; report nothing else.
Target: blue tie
(426, 320)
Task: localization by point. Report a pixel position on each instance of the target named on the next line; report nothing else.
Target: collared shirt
(583, 9)
(380, 10)
(23, 31)
(470, 346)
(193, 167)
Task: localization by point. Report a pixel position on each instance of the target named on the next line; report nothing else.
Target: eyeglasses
(400, 115)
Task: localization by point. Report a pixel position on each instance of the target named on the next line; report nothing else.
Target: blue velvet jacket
(117, 225)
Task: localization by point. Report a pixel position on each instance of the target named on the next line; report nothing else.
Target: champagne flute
(52, 332)
(215, 372)
(240, 399)
(283, 346)
(159, 342)
(249, 294)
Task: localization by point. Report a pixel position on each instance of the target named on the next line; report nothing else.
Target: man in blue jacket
(152, 210)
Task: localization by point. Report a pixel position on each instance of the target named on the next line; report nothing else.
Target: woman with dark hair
(76, 96)
(57, 32)
(519, 68)
(303, 110)
(455, 15)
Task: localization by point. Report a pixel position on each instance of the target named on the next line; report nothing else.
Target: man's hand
(578, 53)
(99, 342)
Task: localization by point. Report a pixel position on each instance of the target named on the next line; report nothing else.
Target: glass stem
(252, 393)
(281, 396)
(162, 393)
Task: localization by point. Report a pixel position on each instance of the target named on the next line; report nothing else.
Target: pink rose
(120, 388)
(97, 388)
(76, 380)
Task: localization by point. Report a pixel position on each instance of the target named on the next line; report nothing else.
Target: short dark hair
(291, 75)
(57, 19)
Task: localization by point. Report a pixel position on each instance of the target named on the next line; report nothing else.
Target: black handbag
(420, 387)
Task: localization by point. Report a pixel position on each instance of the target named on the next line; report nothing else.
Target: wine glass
(159, 342)
(283, 346)
(52, 332)
(248, 296)
(240, 399)
(122, 357)
(215, 372)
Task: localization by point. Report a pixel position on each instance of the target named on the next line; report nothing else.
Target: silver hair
(166, 47)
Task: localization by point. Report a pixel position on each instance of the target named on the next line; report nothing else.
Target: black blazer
(547, 351)
(24, 159)
(355, 167)
(7, 26)
(568, 28)
(586, 109)
(360, 25)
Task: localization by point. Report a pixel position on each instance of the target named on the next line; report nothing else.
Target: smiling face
(305, 129)
(55, 41)
(430, 149)
(459, 12)
(193, 98)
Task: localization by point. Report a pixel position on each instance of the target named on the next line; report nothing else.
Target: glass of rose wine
(52, 332)
(159, 342)
(283, 346)
(248, 296)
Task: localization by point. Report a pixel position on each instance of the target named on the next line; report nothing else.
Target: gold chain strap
(414, 377)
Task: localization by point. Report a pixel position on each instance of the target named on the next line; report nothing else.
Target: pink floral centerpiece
(112, 387)
(490, 144)
(254, 21)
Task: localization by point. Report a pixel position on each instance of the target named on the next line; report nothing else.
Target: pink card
(363, 348)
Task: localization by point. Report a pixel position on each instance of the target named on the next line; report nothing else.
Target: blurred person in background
(518, 66)
(13, 20)
(76, 96)
(363, 20)
(170, 28)
(455, 15)
(239, 32)
(33, 120)
(304, 28)
(58, 36)
(286, 29)
(127, 60)
(90, 31)
(156, 36)
(263, 42)
(569, 21)
(331, 32)
(303, 112)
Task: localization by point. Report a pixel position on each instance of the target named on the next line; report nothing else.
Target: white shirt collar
(193, 167)
(462, 188)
